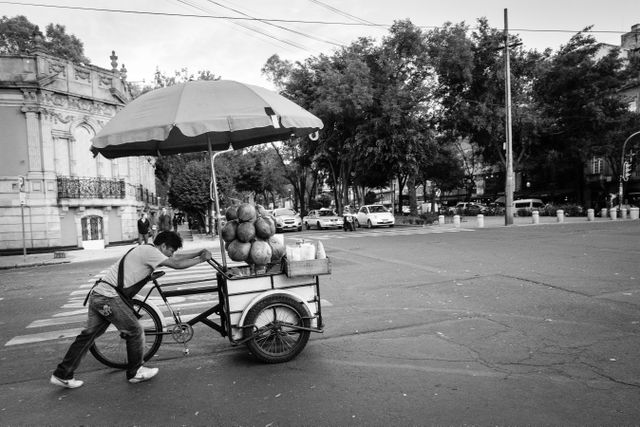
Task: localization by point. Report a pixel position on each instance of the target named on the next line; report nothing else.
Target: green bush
(429, 217)
(570, 209)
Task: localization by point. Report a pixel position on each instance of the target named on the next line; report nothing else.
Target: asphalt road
(503, 326)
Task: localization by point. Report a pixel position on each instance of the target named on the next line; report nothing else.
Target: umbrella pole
(214, 196)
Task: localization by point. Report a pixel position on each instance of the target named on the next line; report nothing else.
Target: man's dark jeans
(104, 311)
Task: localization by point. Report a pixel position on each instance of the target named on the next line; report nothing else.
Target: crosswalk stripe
(44, 336)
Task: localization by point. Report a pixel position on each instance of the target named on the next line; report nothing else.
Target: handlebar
(156, 275)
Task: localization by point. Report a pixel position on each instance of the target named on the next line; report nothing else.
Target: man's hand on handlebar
(205, 255)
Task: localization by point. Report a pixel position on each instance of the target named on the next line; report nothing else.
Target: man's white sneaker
(72, 383)
(143, 374)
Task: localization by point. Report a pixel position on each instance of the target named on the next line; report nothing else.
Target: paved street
(523, 325)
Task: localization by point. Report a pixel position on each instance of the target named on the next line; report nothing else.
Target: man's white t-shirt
(138, 264)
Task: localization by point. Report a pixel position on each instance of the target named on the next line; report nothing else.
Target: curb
(33, 264)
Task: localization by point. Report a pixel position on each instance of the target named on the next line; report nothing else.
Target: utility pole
(508, 187)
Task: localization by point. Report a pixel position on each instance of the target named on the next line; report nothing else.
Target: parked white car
(322, 218)
(374, 216)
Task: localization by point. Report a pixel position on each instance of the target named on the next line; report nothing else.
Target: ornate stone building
(51, 186)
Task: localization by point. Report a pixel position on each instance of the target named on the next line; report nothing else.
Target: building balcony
(90, 188)
(102, 188)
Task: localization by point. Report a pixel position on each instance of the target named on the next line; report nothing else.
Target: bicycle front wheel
(110, 348)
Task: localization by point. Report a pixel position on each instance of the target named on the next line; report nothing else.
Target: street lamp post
(622, 178)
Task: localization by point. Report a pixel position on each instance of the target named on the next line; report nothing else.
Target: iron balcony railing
(90, 188)
(102, 188)
(143, 195)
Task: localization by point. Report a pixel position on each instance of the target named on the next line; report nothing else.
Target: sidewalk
(110, 252)
(212, 243)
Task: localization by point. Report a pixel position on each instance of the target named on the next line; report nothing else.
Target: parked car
(286, 219)
(374, 216)
(468, 208)
(322, 218)
(524, 207)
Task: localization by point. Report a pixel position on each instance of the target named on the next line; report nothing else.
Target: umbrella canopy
(187, 117)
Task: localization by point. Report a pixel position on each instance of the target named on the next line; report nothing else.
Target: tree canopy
(19, 36)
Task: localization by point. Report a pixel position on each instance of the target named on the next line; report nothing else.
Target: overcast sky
(168, 36)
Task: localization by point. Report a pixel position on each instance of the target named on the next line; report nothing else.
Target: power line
(249, 27)
(341, 13)
(186, 15)
(264, 21)
(295, 21)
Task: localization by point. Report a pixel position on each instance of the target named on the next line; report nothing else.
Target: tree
(578, 95)
(445, 172)
(338, 90)
(373, 101)
(259, 173)
(470, 89)
(400, 136)
(19, 36)
(189, 191)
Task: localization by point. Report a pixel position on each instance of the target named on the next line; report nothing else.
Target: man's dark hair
(170, 238)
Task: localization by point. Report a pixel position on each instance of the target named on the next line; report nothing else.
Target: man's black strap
(131, 291)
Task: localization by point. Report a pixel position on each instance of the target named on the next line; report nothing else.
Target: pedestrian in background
(164, 222)
(143, 229)
(154, 225)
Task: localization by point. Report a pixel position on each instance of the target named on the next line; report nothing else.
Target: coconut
(272, 224)
(261, 211)
(263, 228)
(246, 213)
(229, 231)
(239, 251)
(246, 232)
(260, 252)
(231, 213)
(277, 249)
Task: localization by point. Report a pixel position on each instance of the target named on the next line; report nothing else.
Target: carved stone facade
(51, 186)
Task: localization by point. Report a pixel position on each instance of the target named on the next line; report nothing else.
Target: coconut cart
(272, 312)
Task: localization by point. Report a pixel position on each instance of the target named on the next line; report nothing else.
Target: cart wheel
(110, 348)
(275, 336)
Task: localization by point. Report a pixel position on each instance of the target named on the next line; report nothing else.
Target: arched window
(92, 227)
(85, 164)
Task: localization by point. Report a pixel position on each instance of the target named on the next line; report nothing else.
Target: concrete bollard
(560, 215)
(613, 213)
(480, 221)
(440, 219)
(623, 213)
(634, 213)
(591, 215)
(535, 217)
(456, 221)
(604, 213)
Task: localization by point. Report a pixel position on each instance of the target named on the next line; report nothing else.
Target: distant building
(49, 180)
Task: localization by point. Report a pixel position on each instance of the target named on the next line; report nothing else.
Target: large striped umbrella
(188, 117)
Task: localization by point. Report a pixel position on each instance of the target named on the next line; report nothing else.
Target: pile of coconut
(249, 235)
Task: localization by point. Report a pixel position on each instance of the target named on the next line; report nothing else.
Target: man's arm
(181, 261)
